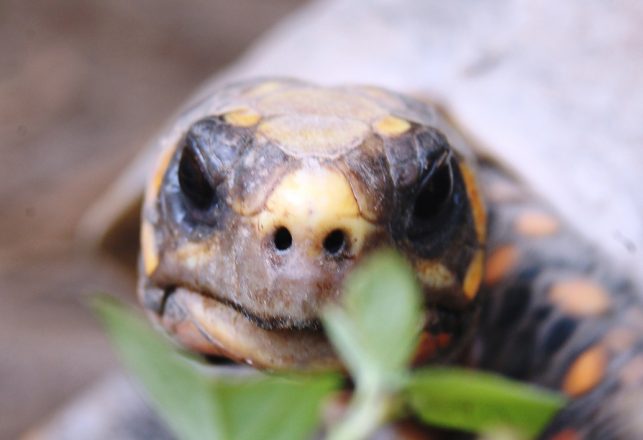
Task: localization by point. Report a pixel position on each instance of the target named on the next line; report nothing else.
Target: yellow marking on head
(311, 202)
(473, 277)
(475, 200)
(536, 224)
(586, 372)
(580, 297)
(242, 117)
(154, 185)
(500, 262)
(305, 134)
(434, 274)
(149, 250)
(390, 126)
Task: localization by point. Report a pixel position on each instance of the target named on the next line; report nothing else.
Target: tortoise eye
(193, 180)
(435, 190)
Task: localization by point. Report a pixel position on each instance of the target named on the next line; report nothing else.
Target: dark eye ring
(195, 181)
(435, 190)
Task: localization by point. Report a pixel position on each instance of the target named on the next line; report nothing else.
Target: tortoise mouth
(212, 326)
(263, 322)
(269, 323)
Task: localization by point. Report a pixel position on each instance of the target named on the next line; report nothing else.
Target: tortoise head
(268, 193)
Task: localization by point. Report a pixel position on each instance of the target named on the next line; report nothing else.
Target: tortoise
(271, 194)
(266, 193)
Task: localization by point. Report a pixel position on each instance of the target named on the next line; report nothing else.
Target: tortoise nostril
(282, 238)
(335, 242)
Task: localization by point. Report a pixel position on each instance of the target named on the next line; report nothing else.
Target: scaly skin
(555, 313)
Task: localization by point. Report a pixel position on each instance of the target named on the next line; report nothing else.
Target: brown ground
(82, 84)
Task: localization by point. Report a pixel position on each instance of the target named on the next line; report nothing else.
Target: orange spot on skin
(444, 340)
(477, 206)
(425, 350)
(567, 434)
(500, 263)
(586, 372)
(632, 372)
(473, 277)
(536, 224)
(430, 345)
(579, 297)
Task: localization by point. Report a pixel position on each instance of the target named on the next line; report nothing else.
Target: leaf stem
(370, 407)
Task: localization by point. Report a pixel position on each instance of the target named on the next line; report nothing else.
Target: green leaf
(180, 395)
(198, 406)
(274, 408)
(375, 331)
(476, 401)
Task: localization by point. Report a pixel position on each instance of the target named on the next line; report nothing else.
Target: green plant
(374, 331)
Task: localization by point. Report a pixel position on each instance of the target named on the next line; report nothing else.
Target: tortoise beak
(211, 327)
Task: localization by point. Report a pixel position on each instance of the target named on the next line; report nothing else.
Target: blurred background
(83, 84)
